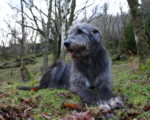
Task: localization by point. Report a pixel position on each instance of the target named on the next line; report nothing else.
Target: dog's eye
(95, 31)
(79, 31)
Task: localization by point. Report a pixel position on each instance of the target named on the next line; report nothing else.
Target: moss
(146, 66)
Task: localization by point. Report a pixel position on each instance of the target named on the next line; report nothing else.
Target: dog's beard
(78, 51)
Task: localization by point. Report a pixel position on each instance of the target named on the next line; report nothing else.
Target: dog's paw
(116, 103)
(104, 107)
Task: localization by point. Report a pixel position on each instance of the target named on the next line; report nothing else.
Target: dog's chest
(87, 78)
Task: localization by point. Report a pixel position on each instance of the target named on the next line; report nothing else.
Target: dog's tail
(50, 79)
(29, 88)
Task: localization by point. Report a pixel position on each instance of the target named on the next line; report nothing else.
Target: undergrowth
(132, 85)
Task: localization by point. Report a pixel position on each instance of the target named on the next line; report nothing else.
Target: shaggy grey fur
(89, 74)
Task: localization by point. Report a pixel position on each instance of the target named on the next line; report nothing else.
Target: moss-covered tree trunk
(25, 74)
(140, 37)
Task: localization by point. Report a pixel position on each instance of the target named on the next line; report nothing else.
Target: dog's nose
(67, 44)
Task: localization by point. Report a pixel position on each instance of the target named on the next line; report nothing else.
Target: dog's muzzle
(74, 49)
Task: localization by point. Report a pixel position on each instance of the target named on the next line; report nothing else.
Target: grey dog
(89, 74)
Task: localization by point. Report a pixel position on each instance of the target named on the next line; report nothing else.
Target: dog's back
(57, 76)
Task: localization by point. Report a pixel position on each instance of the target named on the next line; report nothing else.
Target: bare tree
(22, 41)
(46, 43)
(139, 31)
(63, 26)
(63, 15)
(111, 27)
(24, 72)
(3, 42)
(146, 16)
(33, 40)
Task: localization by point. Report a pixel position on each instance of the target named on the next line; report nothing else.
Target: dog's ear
(96, 35)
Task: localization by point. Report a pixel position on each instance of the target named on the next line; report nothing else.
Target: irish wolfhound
(89, 74)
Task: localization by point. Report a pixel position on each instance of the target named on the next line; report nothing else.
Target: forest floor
(55, 104)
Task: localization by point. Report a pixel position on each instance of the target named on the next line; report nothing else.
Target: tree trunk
(63, 28)
(46, 42)
(139, 31)
(23, 34)
(34, 44)
(24, 74)
(3, 50)
(23, 70)
(71, 18)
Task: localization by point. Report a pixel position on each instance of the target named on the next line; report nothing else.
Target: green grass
(134, 86)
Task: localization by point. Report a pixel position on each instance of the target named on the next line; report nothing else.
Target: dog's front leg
(87, 95)
(107, 99)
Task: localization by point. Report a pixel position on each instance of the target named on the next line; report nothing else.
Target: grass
(133, 85)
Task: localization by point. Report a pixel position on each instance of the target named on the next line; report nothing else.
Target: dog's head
(82, 40)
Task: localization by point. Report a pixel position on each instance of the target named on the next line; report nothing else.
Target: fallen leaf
(139, 119)
(61, 94)
(133, 113)
(146, 108)
(3, 95)
(67, 95)
(27, 101)
(107, 112)
(130, 105)
(73, 106)
(8, 112)
(119, 90)
(1, 117)
(34, 89)
(47, 116)
(12, 90)
(79, 116)
(105, 115)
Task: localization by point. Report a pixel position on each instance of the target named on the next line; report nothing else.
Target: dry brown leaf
(9, 112)
(133, 113)
(34, 89)
(12, 90)
(147, 107)
(73, 106)
(47, 116)
(79, 116)
(67, 95)
(28, 101)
